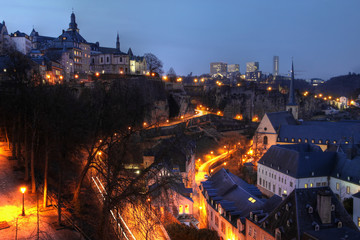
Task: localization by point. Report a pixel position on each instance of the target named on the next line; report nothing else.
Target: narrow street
(12, 224)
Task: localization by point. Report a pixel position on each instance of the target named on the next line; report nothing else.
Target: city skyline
(319, 35)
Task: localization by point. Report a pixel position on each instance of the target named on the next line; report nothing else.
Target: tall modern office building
(233, 68)
(218, 67)
(252, 66)
(276, 66)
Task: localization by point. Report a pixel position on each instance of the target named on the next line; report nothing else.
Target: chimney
(324, 206)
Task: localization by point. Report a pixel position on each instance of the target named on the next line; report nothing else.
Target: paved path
(24, 227)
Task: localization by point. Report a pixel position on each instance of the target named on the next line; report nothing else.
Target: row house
(227, 200)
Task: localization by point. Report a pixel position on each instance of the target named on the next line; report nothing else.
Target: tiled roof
(278, 119)
(18, 34)
(325, 131)
(106, 50)
(233, 193)
(335, 234)
(299, 160)
(293, 216)
(71, 36)
(347, 169)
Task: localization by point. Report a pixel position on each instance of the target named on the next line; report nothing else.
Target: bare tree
(153, 63)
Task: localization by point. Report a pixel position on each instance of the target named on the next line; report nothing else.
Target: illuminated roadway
(205, 167)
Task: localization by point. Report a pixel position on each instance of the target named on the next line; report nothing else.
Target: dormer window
(312, 173)
(312, 141)
(334, 142)
(320, 141)
(285, 139)
(288, 223)
(287, 206)
(332, 207)
(306, 140)
(293, 140)
(309, 208)
(299, 140)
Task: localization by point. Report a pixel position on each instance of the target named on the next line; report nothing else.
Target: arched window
(265, 140)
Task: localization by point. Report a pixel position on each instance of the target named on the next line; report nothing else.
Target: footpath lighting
(23, 190)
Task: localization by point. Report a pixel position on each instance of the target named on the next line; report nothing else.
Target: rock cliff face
(248, 103)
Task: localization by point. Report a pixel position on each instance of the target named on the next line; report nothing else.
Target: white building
(284, 168)
(21, 42)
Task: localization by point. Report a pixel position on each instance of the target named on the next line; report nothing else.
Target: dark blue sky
(323, 36)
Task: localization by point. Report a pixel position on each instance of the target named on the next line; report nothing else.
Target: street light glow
(23, 189)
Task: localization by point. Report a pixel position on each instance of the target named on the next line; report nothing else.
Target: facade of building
(252, 66)
(252, 71)
(276, 66)
(218, 68)
(317, 81)
(21, 42)
(284, 168)
(233, 68)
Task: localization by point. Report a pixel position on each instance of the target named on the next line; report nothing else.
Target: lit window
(312, 141)
(306, 185)
(306, 140)
(181, 210)
(187, 209)
(347, 189)
(358, 222)
(299, 140)
(311, 185)
(293, 140)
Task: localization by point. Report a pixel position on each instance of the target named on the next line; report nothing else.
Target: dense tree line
(62, 134)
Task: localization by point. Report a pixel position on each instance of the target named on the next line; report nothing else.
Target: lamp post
(23, 190)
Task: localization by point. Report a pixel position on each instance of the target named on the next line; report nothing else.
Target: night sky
(323, 36)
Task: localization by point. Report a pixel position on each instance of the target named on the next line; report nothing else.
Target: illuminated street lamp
(76, 76)
(97, 74)
(23, 190)
(61, 77)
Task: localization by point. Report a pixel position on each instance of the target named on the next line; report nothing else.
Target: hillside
(346, 85)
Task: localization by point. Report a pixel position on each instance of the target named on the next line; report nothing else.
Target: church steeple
(73, 24)
(118, 42)
(291, 92)
(292, 106)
